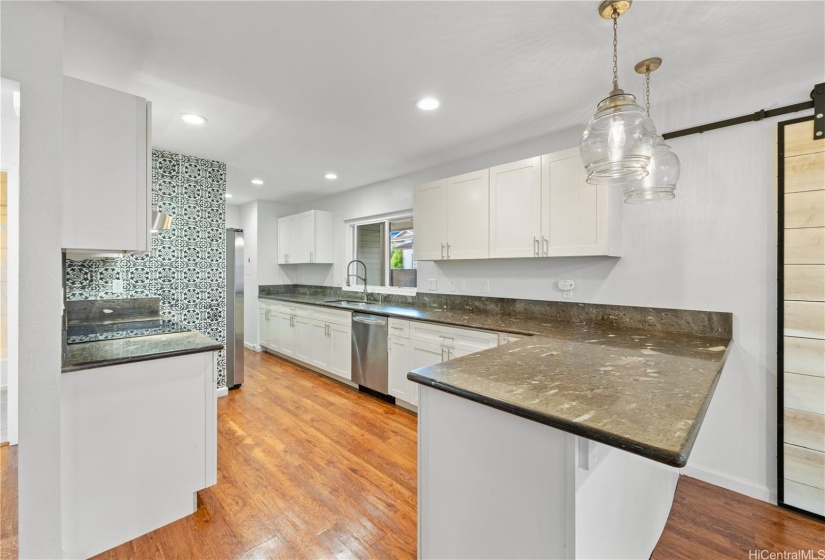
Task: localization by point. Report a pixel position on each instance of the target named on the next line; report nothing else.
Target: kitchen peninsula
(565, 443)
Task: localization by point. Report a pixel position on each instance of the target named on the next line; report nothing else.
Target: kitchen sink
(348, 303)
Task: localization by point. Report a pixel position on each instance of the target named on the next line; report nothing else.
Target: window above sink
(385, 245)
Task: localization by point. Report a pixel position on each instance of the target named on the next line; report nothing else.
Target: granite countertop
(88, 355)
(641, 391)
(644, 390)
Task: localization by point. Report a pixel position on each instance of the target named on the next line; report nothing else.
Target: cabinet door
(283, 240)
(571, 206)
(263, 326)
(340, 350)
(303, 341)
(307, 222)
(319, 345)
(274, 326)
(295, 240)
(430, 218)
(468, 218)
(287, 334)
(515, 210)
(423, 354)
(399, 365)
(106, 168)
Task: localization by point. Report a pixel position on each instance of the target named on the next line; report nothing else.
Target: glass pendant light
(617, 144)
(664, 168)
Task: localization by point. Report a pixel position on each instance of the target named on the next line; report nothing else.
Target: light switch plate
(431, 284)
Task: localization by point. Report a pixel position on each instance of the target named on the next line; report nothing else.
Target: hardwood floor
(710, 522)
(310, 468)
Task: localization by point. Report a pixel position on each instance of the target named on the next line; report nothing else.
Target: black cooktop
(77, 334)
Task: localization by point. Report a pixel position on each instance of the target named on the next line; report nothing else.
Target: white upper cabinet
(515, 209)
(578, 219)
(305, 238)
(107, 176)
(452, 218)
(537, 207)
(468, 217)
(430, 221)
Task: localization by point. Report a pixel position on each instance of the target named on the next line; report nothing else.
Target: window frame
(352, 226)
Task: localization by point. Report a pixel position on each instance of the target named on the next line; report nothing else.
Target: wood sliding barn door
(801, 348)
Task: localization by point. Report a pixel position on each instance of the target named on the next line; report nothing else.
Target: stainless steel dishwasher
(369, 352)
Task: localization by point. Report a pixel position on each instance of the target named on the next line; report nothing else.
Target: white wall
(233, 216)
(32, 42)
(259, 220)
(712, 248)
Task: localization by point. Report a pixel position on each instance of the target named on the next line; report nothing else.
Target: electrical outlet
(568, 294)
(451, 284)
(566, 285)
(485, 286)
(117, 286)
(432, 284)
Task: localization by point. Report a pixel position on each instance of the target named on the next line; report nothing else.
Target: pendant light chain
(615, 18)
(647, 90)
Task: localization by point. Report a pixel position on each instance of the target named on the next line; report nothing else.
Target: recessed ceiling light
(192, 118)
(330, 176)
(257, 182)
(427, 103)
(228, 195)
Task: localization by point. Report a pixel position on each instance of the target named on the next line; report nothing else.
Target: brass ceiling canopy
(648, 65)
(606, 7)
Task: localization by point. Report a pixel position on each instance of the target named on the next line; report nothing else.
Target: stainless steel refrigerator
(234, 308)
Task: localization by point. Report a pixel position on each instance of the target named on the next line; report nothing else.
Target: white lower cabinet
(287, 333)
(269, 335)
(320, 344)
(399, 362)
(263, 326)
(316, 336)
(332, 348)
(340, 350)
(301, 327)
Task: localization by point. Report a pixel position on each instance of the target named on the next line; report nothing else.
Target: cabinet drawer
(452, 337)
(399, 328)
(295, 309)
(343, 318)
(268, 304)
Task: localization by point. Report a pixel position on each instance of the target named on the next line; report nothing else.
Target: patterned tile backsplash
(186, 267)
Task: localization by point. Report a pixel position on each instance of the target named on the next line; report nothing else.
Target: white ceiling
(294, 90)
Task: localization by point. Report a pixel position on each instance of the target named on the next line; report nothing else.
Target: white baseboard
(731, 482)
(222, 392)
(254, 347)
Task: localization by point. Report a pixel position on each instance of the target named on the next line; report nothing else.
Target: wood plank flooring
(310, 468)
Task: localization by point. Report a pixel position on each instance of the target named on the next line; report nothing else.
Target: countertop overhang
(102, 353)
(643, 390)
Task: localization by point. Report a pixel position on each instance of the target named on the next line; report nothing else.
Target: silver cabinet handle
(442, 354)
(326, 329)
(546, 243)
(535, 246)
(442, 250)
(292, 321)
(310, 257)
(448, 250)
